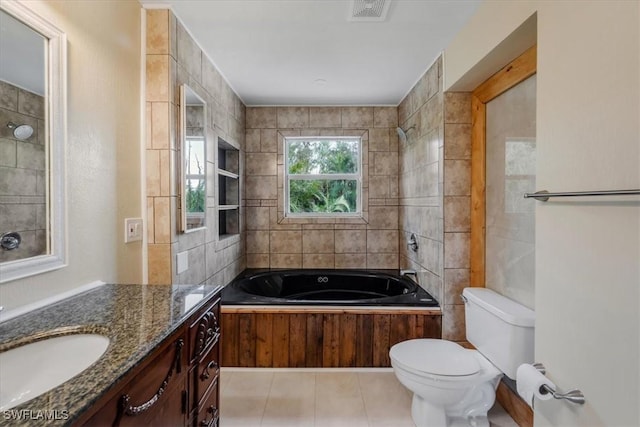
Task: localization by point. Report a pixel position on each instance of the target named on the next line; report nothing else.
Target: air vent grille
(368, 10)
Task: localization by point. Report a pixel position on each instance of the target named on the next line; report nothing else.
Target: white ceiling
(306, 52)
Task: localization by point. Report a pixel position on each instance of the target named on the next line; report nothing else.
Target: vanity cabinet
(176, 385)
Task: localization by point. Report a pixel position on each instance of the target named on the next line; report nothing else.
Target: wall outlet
(182, 262)
(132, 229)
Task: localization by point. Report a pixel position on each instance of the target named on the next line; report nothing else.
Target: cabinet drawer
(204, 331)
(154, 394)
(206, 372)
(209, 411)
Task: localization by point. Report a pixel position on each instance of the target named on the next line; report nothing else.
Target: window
(323, 176)
(195, 181)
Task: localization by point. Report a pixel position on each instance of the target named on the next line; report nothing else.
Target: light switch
(132, 229)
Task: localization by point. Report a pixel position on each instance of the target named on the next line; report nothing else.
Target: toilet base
(471, 411)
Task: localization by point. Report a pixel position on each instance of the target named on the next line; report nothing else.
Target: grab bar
(544, 195)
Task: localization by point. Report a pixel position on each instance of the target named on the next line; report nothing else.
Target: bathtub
(326, 288)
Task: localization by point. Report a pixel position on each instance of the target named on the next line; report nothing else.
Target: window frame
(316, 177)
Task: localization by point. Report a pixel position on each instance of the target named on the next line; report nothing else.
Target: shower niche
(228, 197)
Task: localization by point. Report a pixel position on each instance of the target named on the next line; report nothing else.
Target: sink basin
(30, 370)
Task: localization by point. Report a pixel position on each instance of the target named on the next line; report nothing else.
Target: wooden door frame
(510, 75)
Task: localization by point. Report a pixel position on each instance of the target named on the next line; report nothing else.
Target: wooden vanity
(177, 384)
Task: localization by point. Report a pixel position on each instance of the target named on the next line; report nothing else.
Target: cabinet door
(154, 396)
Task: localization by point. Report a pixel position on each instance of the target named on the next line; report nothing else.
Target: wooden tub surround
(312, 337)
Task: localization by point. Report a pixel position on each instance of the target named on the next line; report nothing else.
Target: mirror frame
(181, 171)
(55, 141)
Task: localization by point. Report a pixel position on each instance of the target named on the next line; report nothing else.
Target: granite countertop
(136, 318)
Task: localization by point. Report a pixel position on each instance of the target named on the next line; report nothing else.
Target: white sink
(30, 370)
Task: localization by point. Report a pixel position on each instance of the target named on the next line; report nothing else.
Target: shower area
(22, 174)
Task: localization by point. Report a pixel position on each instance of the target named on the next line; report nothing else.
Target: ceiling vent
(368, 10)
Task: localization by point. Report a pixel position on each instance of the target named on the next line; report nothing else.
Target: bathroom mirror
(32, 139)
(193, 151)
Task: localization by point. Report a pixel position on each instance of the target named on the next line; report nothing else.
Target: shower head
(402, 134)
(20, 132)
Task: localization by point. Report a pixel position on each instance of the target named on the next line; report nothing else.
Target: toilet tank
(501, 329)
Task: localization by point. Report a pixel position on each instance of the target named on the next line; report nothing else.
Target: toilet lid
(437, 357)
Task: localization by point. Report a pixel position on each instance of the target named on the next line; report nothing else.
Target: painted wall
(103, 152)
(587, 250)
(174, 58)
(278, 242)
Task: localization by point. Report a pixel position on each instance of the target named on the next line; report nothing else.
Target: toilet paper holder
(573, 396)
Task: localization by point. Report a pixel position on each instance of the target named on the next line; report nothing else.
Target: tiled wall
(421, 166)
(173, 58)
(435, 193)
(277, 242)
(22, 172)
(457, 207)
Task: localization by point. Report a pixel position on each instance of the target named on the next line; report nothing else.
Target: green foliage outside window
(323, 158)
(195, 196)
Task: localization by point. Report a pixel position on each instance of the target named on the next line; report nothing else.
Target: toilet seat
(435, 357)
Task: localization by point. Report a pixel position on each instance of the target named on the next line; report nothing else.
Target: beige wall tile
(325, 117)
(211, 79)
(382, 241)
(357, 117)
(384, 164)
(261, 187)
(285, 260)
(153, 172)
(269, 141)
(317, 260)
(457, 177)
(30, 104)
(189, 54)
(257, 218)
(385, 117)
(292, 117)
(455, 280)
(351, 260)
(383, 217)
(257, 260)
(318, 241)
(8, 96)
(159, 263)
(150, 222)
(162, 219)
(457, 210)
(252, 140)
(167, 184)
(453, 323)
(260, 164)
(457, 141)
(285, 242)
(157, 31)
(261, 117)
(382, 260)
(379, 139)
(456, 250)
(257, 242)
(379, 187)
(160, 136)
(350, 241)
(157, 78)
(457, 107)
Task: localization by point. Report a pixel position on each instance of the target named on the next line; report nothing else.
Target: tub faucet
(410, 273)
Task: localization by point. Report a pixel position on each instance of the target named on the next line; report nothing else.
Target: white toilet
(454, 386)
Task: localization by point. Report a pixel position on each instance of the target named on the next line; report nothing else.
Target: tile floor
(320, 398)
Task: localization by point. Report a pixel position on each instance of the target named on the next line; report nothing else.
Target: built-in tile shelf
(228, 200)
